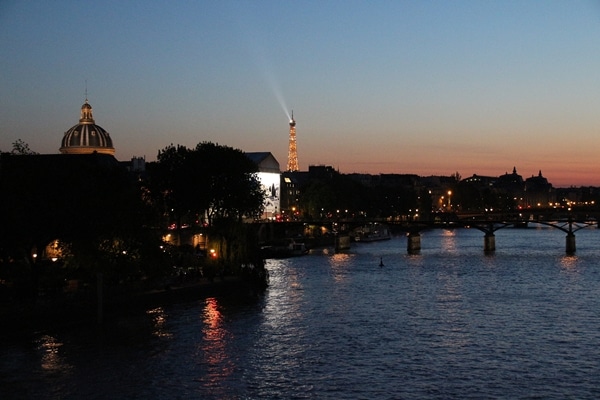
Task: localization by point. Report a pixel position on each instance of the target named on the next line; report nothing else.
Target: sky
(408, 87)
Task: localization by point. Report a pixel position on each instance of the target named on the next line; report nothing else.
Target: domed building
(86, 137)
(539, 192)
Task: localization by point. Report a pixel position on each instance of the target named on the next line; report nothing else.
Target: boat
(285, 249)
(372, 233)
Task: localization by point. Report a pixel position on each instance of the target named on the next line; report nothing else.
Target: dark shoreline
(48, 313)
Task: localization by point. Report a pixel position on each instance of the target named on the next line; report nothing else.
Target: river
(448, 323)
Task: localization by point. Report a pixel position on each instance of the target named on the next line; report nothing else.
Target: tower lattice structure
(292, 164)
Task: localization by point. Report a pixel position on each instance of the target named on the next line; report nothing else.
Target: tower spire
(86, 114)
(292, 164)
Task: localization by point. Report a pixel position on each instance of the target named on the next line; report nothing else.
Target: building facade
(270, 179)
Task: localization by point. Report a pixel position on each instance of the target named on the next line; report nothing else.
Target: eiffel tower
(292, 164)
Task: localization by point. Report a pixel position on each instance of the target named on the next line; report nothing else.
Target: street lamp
(449, 195)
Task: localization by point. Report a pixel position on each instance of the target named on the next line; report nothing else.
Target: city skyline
(426, 88)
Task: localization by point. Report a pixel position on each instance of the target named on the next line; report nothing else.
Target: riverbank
(85, 308)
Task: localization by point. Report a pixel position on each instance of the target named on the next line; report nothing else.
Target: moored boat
(371, 233)
(290, 248)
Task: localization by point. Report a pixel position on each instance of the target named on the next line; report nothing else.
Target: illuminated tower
(292, 164)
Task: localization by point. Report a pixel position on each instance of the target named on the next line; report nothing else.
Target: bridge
(567, 220)
(490, 225)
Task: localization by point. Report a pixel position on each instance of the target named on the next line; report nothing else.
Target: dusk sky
(410, 87)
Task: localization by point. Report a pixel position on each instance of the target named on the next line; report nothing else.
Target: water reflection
(284, 306)
(159, 319)
(339, 266)
(213, 348)
(449, 244)
(284, 315)
(454, 314)
(425, 326)
(570, 267)
(51, 358)
(569, 262)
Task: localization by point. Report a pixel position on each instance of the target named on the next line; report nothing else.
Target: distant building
(291, 183)
(586, 195)
(321, 171)
(511, 186)
(270, 179)
(510, 189)
(480, 180)
(539, 192)
(86, 137)
(136, 167)
(512, 182)
(137, 164)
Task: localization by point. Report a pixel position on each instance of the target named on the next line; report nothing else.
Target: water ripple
(448, 323)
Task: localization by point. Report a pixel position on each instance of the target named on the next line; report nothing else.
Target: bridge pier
(489, 243)
(414, 243)
(571, 243)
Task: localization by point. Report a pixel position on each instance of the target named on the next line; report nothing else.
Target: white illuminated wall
(270, 184)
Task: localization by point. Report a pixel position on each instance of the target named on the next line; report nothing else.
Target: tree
(221, 184)
(215, 181)
(170, 184)
(22, 148)
(231, 180)
(317, 199)
(86, 202)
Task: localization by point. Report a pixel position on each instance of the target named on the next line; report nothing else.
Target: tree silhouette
(22, 148)
(88, 203)
(205, 183)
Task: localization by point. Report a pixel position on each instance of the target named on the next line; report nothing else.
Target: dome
(86, 137)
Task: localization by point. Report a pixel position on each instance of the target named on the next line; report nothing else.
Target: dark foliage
(88, 203)
(209, 181)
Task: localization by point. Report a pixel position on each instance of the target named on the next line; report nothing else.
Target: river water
(449, 323)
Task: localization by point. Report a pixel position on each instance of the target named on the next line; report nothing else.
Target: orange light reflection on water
(449, 241)
(213, 347)
(569, 263)
(51, 359)
(339, 263)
